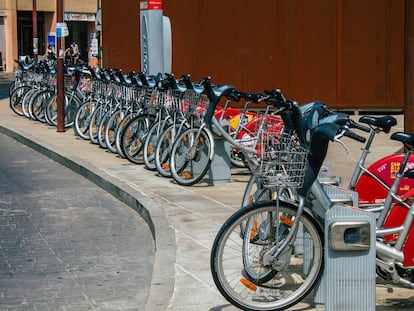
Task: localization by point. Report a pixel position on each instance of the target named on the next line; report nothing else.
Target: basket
(69, 81)
(194, 103)
(157, 99)
(86, 84)
(99, 87)
(282, 162)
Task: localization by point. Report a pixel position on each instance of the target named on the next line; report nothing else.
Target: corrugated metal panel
(349, 275)
(349, 54)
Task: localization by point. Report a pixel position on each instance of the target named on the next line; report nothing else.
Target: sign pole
(35, 38)
(60, 70)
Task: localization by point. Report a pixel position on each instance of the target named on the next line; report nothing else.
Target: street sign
(62, 30)
(151, 5)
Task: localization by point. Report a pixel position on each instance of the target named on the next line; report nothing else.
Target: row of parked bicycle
(269, 254)
(167, 124)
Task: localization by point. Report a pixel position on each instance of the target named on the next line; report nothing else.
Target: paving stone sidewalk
(184, 220)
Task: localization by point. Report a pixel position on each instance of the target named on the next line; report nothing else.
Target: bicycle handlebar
(354, 136)
(356, 125)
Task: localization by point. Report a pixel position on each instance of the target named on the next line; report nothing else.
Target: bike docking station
(348, 282)
(156, 56)
(156, 42)
(220, 168)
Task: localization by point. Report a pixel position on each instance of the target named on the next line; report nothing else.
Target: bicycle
(135, 131)
(269, 255)
(188, 106)
(193, 150)
(72, 99)
(26, 77)
(374, 182)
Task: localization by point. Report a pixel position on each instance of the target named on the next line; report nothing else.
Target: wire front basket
(282, 162)
(194, 103)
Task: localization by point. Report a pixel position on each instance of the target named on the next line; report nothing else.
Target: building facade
(16, 27)
(351, 54)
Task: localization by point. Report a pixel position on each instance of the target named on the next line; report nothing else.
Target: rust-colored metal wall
(371, 53)
(121, 35)
(348, 53)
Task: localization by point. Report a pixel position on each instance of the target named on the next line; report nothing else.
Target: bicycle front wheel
(245, 268)
(82, 119)
(16, 99)
(191, 156)
(163, 149)
(133, 138)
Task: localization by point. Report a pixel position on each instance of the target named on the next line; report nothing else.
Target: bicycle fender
(371, 192)
(213, 144)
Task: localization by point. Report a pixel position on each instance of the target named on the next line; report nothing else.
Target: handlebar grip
(354, 136)
(358, 126)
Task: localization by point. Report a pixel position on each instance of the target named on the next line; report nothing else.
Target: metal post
(409, 67)
(60, 75)
(35, 37)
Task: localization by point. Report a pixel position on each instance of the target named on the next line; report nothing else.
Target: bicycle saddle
(384, 123)
(405, 138)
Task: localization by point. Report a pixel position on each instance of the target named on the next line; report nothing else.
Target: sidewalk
(184, 220)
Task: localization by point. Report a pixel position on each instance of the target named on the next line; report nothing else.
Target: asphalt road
(66, 244)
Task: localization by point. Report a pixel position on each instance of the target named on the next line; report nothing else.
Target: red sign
(151, 5)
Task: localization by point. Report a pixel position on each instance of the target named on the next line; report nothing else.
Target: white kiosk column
(155, 38)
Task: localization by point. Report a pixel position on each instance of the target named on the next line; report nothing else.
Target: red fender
(371, 192)
(396, 218)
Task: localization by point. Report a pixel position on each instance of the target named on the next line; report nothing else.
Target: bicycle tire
(191, 156)
(71, 104)
(83, 118)
(39, 103)
(94, 124)
(111, 129)
(102, 129)
(16, 98)
(163, 150)
(133, 138)
(236, 260)
(26, 102)
(150, 145)
(51, 110)
(119, 133)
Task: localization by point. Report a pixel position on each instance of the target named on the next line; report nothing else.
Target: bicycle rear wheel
(83, 118)
(94, 122)
(71, 103)
(112, 128)
(163, 150)
(118, 136)
(191, 156)
(150, 145)
(251, 281)
(133, 138)
(39, 103)
(102, 129)
(16, 99)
